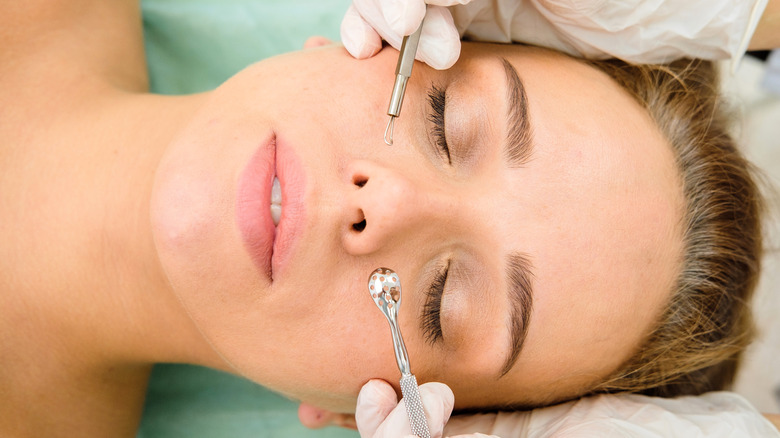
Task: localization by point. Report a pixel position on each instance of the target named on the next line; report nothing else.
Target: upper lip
(253, 205)
(292, 180)
(276, 226)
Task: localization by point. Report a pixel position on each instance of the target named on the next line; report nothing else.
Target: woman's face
(534, 251)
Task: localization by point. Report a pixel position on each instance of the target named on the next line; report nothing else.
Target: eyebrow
(518, 150)
(520, 282)
(519, 139)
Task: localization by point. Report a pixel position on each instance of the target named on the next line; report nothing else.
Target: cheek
(337, 351)
(327, 75)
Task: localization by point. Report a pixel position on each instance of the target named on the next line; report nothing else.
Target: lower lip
(270, 247)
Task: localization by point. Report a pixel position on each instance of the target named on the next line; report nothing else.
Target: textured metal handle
(414, 407)
(408, 51)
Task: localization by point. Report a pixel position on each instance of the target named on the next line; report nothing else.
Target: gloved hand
(644, 31)
(380, 415)
(715, 414)
(367, 22)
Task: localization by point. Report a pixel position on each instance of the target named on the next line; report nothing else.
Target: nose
(384, 205)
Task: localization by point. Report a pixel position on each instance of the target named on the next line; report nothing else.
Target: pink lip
(271, 247)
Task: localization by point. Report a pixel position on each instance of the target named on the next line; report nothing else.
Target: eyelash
(432, 309)
(437, 98)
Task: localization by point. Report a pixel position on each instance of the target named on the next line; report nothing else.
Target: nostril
(360, 226)
(359, 181)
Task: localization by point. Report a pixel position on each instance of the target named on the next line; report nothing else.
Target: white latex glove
(367, 22)
(643, 31)
(712, 415)
(379, 414)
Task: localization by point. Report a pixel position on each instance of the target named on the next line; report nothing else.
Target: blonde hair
(696, 344)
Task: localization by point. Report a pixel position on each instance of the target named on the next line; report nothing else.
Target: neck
(81, 286)
(126, 151)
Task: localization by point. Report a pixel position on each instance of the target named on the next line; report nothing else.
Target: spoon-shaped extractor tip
(384, 285)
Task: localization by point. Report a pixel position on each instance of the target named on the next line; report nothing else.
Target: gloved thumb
(358, 37)
(375, 402)
(403, 16)
(439, 44)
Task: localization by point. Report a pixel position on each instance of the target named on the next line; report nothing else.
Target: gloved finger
(375, 402)
(358, 37)
(403, 16)
(437, 400)
(439, 44)
(372, 14)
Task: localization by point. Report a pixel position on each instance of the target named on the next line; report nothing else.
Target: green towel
(194, 402)
(193, 46)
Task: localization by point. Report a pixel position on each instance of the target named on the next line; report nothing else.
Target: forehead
(598, 210)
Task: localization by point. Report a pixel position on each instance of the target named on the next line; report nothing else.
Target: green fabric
(194, 402)
(193, 46)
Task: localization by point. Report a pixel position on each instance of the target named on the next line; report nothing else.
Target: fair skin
(125, 244)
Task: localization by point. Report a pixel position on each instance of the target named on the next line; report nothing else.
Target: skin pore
(123, 247)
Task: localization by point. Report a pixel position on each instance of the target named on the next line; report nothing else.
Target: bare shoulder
(57, 59)
(43, 40)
